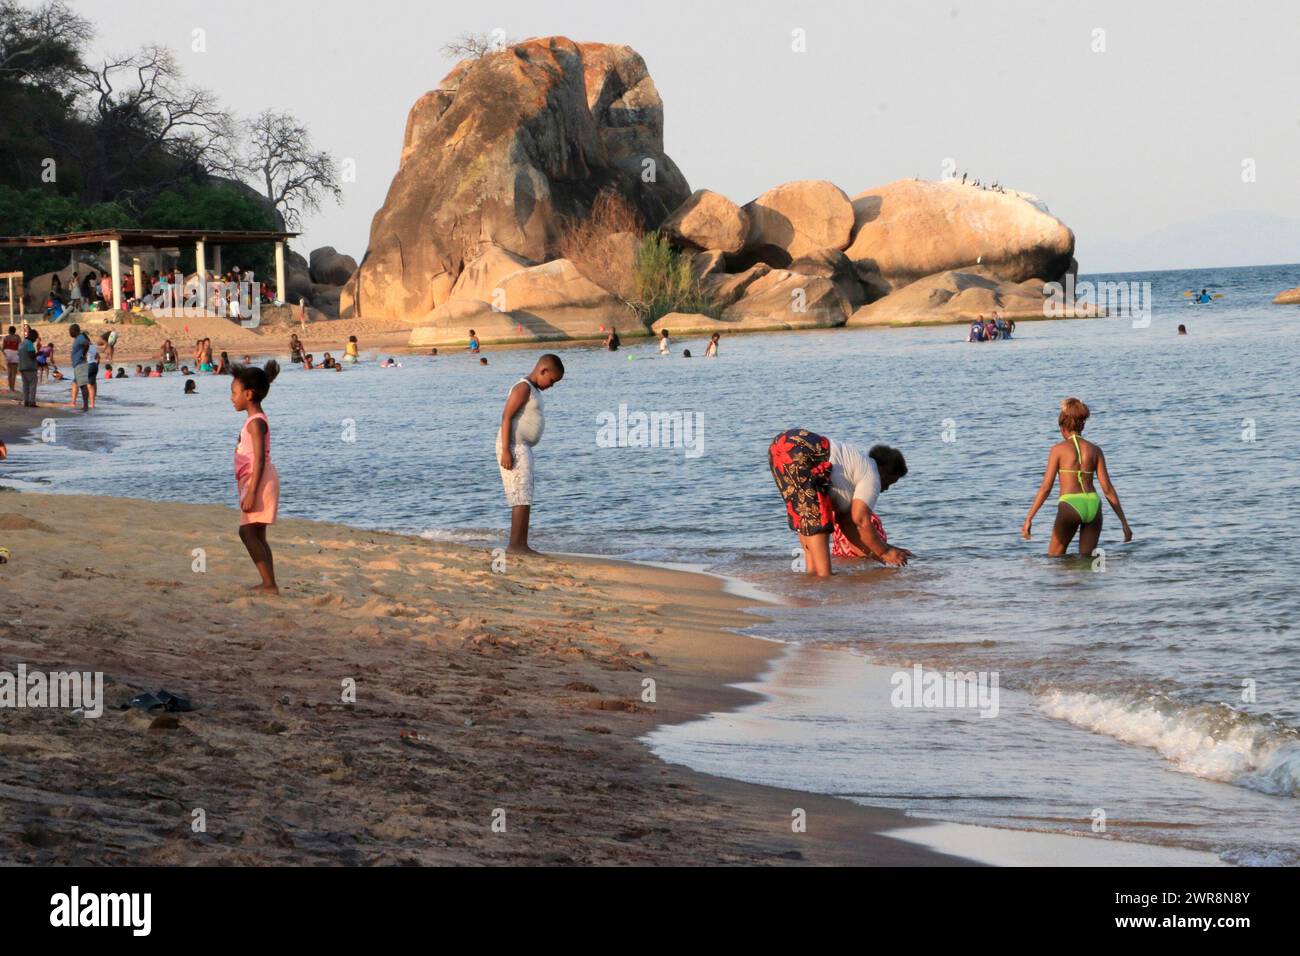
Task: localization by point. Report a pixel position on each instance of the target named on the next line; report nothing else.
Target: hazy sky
(1139, 148)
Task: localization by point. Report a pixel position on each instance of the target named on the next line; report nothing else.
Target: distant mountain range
(1215, 241)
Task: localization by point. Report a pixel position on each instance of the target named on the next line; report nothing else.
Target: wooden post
(280, 289)
(201, 273)
(116, 264)
(135, 274)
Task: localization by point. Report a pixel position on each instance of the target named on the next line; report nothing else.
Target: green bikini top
(1078, 472)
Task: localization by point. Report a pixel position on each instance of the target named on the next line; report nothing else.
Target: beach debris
(581, 687)
(159, 699)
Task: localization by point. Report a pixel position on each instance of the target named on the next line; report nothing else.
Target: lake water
(1161, 685)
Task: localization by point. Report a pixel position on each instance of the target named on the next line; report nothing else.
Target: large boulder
(774, 300)
(786, 300)
(329, 267)
(955, 297)
(1289, 297)
(483, 275)
(325, 298)
(505, 149)
(911, 229)
(796, 219)
(834, 265)
(724, 288)
(547, 302)
(708, 220)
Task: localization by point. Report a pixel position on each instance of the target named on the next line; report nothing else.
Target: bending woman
(1077, 462)
(827, 483)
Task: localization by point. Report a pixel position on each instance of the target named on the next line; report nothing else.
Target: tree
(138, 108)
(279, 160)
(39, 47)
(474, 46)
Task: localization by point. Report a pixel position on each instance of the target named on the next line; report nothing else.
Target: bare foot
(265, 589)
(521, 549)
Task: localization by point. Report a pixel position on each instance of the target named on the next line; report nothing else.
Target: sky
(1165, 134)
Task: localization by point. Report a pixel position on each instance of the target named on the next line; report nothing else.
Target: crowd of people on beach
(94, 293)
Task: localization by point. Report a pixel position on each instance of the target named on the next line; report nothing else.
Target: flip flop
(168, 702)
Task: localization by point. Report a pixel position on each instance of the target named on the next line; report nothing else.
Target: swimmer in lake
(1077, 462)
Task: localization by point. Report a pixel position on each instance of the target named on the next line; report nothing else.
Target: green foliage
(664, 282)
(31, 212)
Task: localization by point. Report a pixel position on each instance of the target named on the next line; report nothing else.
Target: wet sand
(512, 696)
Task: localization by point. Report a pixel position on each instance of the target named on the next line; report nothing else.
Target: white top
(663, 345)
(853, 475)
(529, 422)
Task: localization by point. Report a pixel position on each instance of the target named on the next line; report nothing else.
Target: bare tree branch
(277, 157)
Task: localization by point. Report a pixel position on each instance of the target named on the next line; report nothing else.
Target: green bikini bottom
(1087, 504)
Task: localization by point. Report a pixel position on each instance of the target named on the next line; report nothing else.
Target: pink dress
(266, 500)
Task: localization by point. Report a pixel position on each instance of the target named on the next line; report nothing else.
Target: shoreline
(140, 344)
(287, 775)
(705, 660)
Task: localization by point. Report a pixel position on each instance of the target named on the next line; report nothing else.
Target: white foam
(1212, 743)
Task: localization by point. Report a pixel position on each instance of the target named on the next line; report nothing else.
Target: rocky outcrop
(706, 221)
(507, 146)
(481, 279)
(781, 299)
(327, 266)
(796, 219)
(911, 229)
(537, 303)
(953, 297)
(1289, 297)
(834, 265)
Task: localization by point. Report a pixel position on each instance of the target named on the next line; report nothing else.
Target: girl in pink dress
(255, 475)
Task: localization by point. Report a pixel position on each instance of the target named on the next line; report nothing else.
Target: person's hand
(247, 499)
(1026, 528)
(1128, 532)
(895, 557)
(507, 459)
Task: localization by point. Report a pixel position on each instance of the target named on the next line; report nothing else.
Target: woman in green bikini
(1077, 461)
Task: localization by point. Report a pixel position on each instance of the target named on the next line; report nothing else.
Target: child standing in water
(255, 475)
(522, 424)
(1076, 461)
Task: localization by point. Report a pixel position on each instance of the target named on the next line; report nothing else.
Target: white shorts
(518, 481)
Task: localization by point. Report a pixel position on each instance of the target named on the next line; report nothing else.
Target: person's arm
(514, 402)
(257, 431)
(861, 533)
(1045, 489)
(1107, 489)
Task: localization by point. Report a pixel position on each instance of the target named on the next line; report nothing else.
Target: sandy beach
(476, 691)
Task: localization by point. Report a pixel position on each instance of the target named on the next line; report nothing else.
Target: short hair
(1073, 415)
(552, 361)
(890, 459)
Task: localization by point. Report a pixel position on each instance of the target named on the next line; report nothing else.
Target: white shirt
(853, 475)
(663, 345)
(530, 421)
